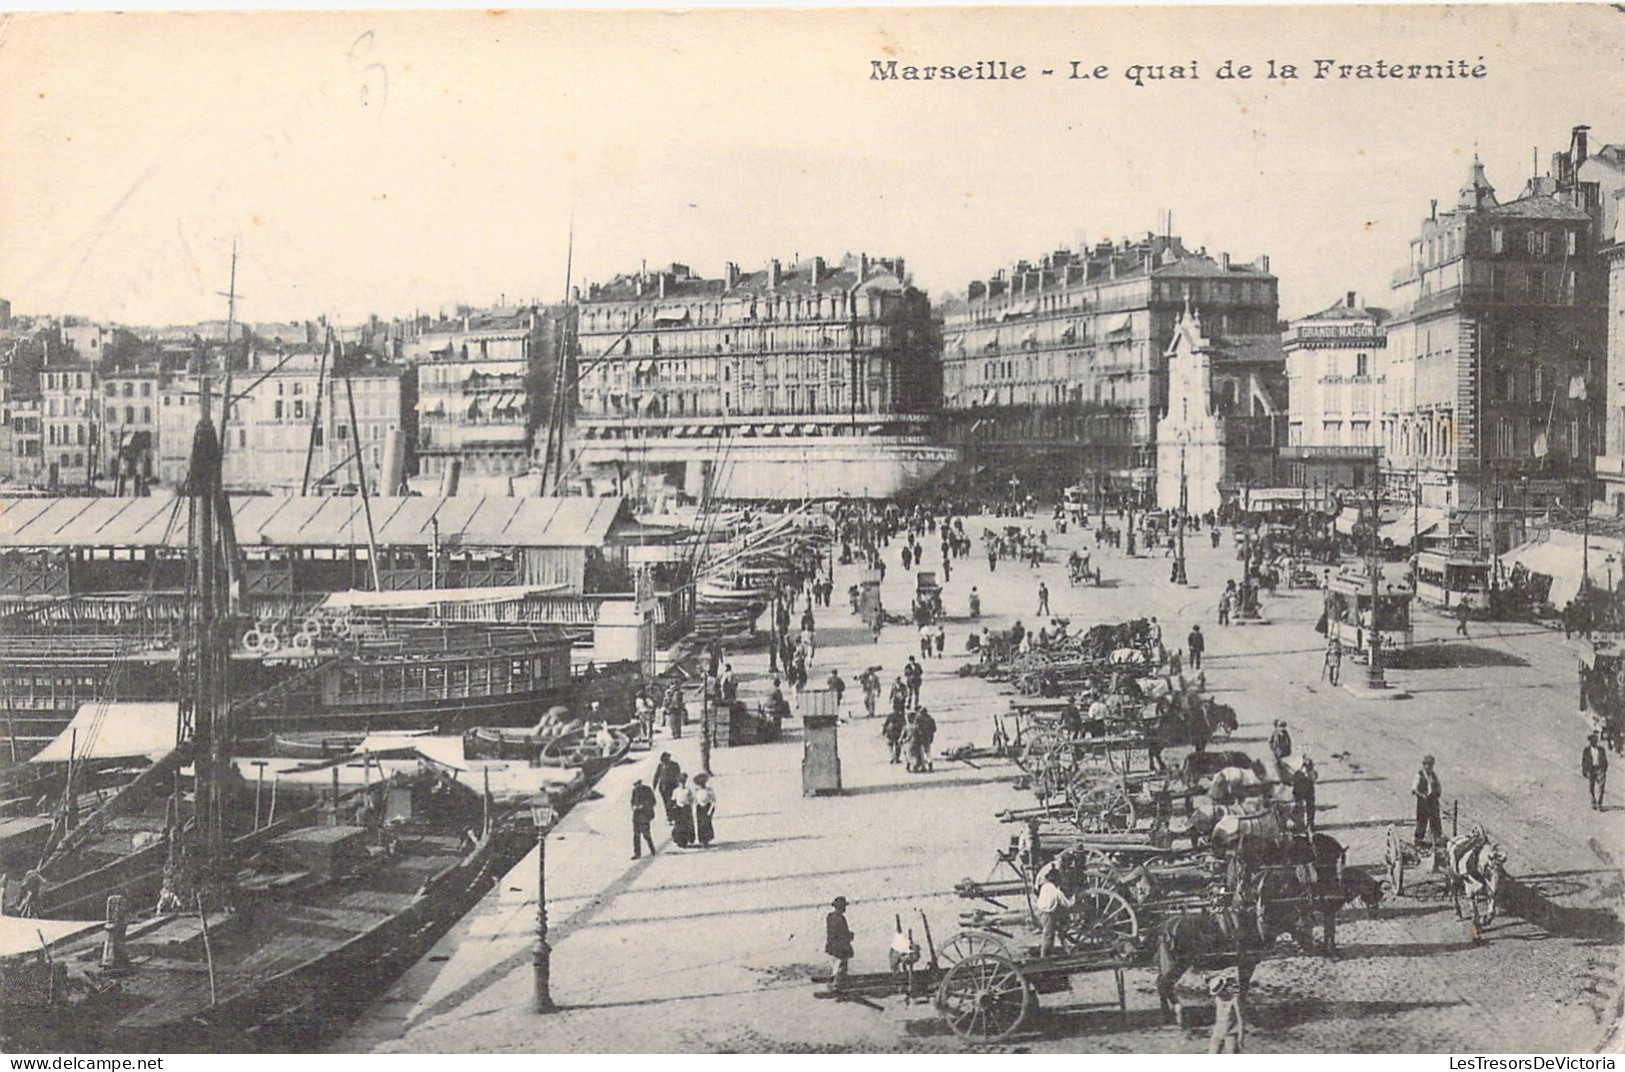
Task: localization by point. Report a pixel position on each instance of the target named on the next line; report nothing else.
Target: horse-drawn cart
(1472, 866)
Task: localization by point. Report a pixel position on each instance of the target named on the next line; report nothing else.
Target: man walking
(836, 685)
(870, 680)
(915, 676)
(1043, 599)
(667, 775)
(925, 731)
(838, 942)
(1280, 741)
(1195, 644)
(1594, 768)
(1333, 668)
(643, 814)
(896, 722)
(1427, 791)
(1461, 620)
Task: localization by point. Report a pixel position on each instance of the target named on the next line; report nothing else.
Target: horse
(1476, 866)
(1266, 906)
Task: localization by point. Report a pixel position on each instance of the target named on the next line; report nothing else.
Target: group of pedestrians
(690, 807)
(909, 729)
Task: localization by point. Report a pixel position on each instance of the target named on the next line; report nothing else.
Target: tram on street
(1349, 607)
(1453, 572)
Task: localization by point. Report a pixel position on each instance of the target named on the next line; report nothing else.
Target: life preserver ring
(341, 627)
(304, 642)
(252, 640)
(270, 642)
(312, 627)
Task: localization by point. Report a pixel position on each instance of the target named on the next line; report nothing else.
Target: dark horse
(1278, 888)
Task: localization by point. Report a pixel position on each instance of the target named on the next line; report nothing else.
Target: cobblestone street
(633, 972)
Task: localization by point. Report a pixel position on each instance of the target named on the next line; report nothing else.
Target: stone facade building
(1492, 396)
(1226, 415)
(129, 423)
(290, 407)
(1059, 366)
(71, 419)
(1334, 369)
(814, 380)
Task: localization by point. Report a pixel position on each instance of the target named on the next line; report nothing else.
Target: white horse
(1476, 866)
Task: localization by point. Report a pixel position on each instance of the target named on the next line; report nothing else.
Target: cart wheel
(984, 997)
(1101, 918)
(1104, 806)
(1396, 861)
(967, 944)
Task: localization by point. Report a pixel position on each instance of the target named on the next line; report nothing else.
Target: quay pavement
(712, 950)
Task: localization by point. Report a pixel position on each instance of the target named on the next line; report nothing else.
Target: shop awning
(809, 429)
(1122, 323)
(1563, 556)
(1415, 521)
(114, 731)
(672, 315)
(415, 598)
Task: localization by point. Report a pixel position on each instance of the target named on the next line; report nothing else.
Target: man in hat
(643, 814)
(1427, 792)
(838, 941)
(1594, 768)
(1195, 644)
(1280, 741)
(1228, 1027)
(667, 775)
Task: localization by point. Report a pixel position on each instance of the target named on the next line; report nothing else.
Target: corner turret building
(812, 381)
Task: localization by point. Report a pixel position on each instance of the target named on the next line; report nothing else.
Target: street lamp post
(1374, 677)
(542, 954)
(1184, 511)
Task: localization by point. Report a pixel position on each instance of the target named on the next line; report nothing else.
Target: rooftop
(316, 521)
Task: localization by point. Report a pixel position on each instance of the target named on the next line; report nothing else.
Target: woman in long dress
(682, 827)
(705, 809)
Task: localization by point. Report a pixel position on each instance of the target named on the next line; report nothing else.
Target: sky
(389, 163)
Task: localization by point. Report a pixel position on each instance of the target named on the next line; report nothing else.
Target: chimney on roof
(465, 321)
(1577, 145)
(775, 273)
(1224, 261)
(815, 270)
(863, 266)
(976, 290)
(730, 275)
(1349, 299)
(664, 276)
(1264, 262)
(898, 270)
(1433, 211)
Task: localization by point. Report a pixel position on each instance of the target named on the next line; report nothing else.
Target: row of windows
(129, 389)
(58, 436)
(129, 415)
(64, 381)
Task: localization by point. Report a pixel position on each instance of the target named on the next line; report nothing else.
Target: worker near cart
(893, 729)
(1427, 792)
(870, 680)
(1594, 768)
(1195, 644)
(1303, 795)
(1052, 905)
(838, 942)
(1228, 1027)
